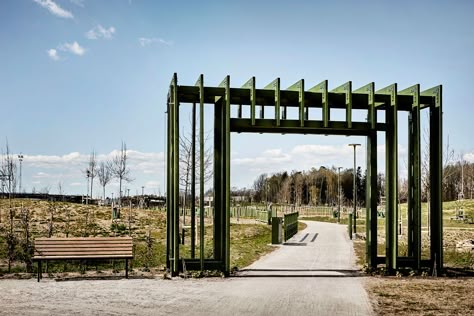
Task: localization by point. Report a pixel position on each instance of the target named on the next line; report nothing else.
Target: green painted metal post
(193, 184)
(436, 173)
(227, 177)
(218, 224)
(391, 182)
(371, 200)
(176, 175)
(371, 176)
(168, 197)
(201, 171)
(414, 177)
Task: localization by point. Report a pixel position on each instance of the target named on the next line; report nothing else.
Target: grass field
(249, 239)
(411, 293)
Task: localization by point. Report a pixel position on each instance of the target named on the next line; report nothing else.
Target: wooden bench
(83, 249)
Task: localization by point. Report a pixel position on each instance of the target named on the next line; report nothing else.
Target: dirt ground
(421, 296)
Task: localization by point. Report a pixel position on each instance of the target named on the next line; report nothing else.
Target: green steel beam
(391, 166)
(414, 176)
(436, 173)
(275, 85)
(250, 84)
(323, 89)
(299, 86)
(200, 84)
(346, 89)
(293, 127)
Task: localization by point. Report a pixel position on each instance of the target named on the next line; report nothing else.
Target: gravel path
(307, 276)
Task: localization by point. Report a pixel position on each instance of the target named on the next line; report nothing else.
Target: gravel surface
(308, 276)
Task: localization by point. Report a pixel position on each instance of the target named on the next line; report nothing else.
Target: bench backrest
(84, 248)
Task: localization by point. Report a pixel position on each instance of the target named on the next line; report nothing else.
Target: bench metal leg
(39, 270)
(126, 268)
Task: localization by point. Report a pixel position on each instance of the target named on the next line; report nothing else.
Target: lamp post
(20, 158)
(354, 194)
(88, 174)
(339, 194)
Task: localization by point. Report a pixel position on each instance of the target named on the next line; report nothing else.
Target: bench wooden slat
(82, 246)
(81, 242)
(85, 254)
(88, 257)
(82, 238)
(83, 250)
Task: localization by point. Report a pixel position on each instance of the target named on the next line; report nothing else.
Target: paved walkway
(313, 274)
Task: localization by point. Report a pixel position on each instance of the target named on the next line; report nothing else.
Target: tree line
(320, 186)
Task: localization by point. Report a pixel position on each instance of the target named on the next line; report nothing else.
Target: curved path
(313, 274)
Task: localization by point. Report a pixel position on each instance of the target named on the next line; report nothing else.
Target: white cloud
(54, 8)
(73, 48)
(53, 54)
(469, 157)
(100, 32)
(79, 3)
(146, 41)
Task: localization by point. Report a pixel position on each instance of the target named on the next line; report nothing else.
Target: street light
(339, 194)
(20, 158)
(88, 174)
(354, 194)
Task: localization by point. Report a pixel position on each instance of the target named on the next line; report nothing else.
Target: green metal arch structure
(388, 101)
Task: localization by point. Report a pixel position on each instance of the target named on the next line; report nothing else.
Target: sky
(78, 76)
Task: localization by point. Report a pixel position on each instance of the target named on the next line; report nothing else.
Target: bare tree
(91, 170)
(104, 173)
(185, 162)
(61, 190)
(120, 169)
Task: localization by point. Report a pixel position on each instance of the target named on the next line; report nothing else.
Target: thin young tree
(104, 173)
(119, 168)
(92, 168)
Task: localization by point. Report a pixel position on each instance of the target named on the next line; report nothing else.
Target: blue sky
(78, 76)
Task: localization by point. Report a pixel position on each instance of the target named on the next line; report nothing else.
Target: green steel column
(436, 173)
(323, 89)
(411, 192)
(372, 199)
(371, 176)
(416, 118)
(391, 177)
(168, 196)
(201, 170)
(193, 184)
(414, 176)
(175, 175)
(226, 164)
(218, 179)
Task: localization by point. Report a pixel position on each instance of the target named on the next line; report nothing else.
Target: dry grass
(420, 296)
